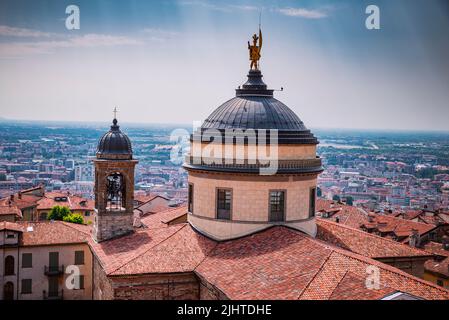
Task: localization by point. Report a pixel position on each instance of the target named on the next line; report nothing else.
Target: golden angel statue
(254, 50)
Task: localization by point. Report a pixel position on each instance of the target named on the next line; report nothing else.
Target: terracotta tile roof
(53, 233)
(8, 208)
(162, 218)
(144, 198)
(281, 263)
(436, 248)
(399, 227)
(439, 267)
(4, 225)
(366, 244)
(73, 202)
(353, 287)
(25, 201)
(432, 220)
(156, 248)
(412, 214)
(181, 252)
(348, 215)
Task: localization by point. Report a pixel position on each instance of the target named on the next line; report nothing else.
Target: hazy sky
(176, 61)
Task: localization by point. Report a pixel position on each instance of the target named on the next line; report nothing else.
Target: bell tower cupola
(114, 185)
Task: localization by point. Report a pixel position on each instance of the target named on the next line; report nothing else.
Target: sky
(175, 61)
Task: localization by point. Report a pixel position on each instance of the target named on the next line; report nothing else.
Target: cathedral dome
(254, 107)
(114, 145)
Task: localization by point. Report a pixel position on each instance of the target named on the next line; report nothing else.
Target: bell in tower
(114, 185)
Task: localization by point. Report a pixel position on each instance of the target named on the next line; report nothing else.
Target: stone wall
(102, 286)
(168, 286)
(209, 292)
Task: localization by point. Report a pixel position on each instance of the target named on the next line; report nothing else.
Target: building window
(27, 260)
(9, 266)
(27, 286)
(10, 235)
(224, 200)
(80, 282)
(440, 283)
(190, 201)
(312, 207)
(277, 206)
(79, 258)
(8, 291)
(87, 214)
(43, 216)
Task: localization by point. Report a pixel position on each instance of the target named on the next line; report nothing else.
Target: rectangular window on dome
(312, 202)
(224, 200)
(277, 206)
(190, 201)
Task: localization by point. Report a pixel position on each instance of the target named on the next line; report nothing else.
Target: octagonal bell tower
(114, 185)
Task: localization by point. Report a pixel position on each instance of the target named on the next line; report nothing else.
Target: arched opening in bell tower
(116, 192)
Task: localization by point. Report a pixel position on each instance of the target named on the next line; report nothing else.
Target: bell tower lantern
(114, 185)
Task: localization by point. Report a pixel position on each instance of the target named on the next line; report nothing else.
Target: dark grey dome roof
(254, 107)
(254, 112)
(114, 145)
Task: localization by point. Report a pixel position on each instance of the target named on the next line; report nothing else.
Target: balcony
(313, 165)
(54, 270)
(57, 295)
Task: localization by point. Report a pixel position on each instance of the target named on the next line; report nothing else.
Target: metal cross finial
(115, 113)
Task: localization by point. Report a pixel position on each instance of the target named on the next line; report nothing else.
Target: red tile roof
(53, 233)
(366, 244)
(348, 215)
(73, 202)
(7, 207)
(440, 267)
(400, 227)
(281, 263)
(353, 287)
(4, 225)
(162, 218)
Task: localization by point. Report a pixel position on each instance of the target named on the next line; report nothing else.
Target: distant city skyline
(176, 61)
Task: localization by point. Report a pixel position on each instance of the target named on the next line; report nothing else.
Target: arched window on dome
(116, 192)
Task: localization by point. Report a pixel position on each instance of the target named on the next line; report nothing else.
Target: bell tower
(114, 185)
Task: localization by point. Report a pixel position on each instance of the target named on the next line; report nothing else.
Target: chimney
(11, 197)
(20, 195)
(137, 223)
(415, 239)
(337, 219)
(445, 243)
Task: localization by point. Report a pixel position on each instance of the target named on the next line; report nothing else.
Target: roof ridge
(386, 267)
(70, 225)
(373, 235)
(139, 255)
(315, 275)
(356, 256)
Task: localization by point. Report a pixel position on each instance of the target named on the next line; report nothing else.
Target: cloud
(22, 32)
(159, 35)
(19, 49)
(303, 13)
